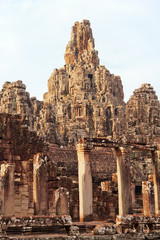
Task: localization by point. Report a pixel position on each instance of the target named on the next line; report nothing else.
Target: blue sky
(34, 34)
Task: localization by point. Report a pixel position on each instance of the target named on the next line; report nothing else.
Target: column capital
(155, 155)
(158, 147)
(157, 152)
(121, 151)
(5, 167)
(82, 147)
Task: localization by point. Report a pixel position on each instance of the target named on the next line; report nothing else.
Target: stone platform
(61, 227)
(35, 224)
(82, 237)
(138, 224)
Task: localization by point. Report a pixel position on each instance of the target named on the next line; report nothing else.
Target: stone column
(133, 193)
(124, 182)
(40, 185)
(85, 183)
(7, 189)
(156, 180)
(148, 198)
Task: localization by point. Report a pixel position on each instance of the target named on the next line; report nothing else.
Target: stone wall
(35, 181)
(18, 146)
(64, 174)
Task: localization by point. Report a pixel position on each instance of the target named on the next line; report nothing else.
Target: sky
(34, 35)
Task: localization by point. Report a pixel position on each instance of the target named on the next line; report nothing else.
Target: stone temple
(82, 162)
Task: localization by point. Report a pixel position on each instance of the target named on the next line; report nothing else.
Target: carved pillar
(40, 185)
(7, 189)
(85, 183)
(133, 193)
(156, 180)
(124, 182)
(148, 198)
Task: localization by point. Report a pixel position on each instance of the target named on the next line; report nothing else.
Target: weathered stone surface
(17, 141)
(18, 146)
(105, 229)
(138, 224)
(74, 231)
(81, 47)
(143, 116)
(34, 224)
(15, 100)
(83, 100)
(99, 230)
(87, 99)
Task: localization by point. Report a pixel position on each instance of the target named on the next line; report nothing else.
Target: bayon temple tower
(81, 154)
